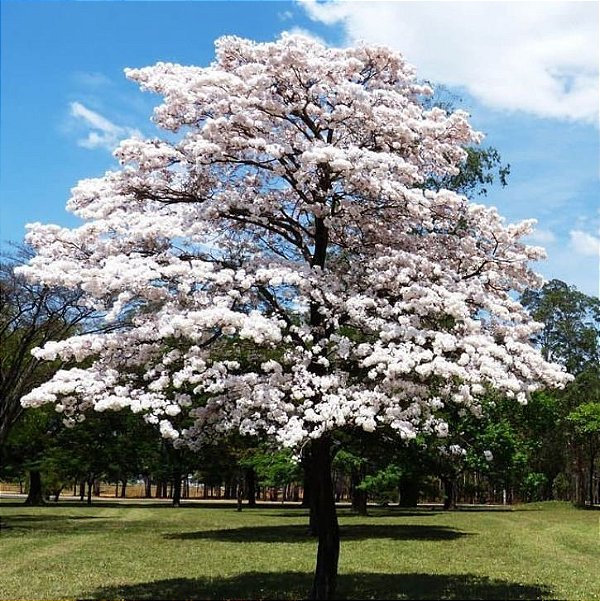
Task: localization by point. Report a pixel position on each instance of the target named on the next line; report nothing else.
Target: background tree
(31, 314)
(288, 213)
(25, 447)
(277, 470)
(571, 332)
(355, 466)
(585, 421)
(571, 336)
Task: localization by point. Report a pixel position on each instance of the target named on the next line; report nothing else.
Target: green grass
(141, 551)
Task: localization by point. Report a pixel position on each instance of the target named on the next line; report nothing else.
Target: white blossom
(274, 266)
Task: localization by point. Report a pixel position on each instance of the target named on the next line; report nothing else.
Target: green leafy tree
(274, 468)
(585, 423)
(571, 325)
(24, 449)
(571, 336)
(30, 316)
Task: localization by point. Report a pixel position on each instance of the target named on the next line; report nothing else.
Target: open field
(153, 551)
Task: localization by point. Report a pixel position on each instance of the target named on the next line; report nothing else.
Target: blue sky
(527, 73)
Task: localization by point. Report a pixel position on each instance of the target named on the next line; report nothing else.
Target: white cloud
(539, 57)
(541, 236)
(296, 30)
(584, 243)
(91, 79)
(581, 271)
(103, 133)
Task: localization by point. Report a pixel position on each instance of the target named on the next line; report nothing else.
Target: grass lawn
(151, 551)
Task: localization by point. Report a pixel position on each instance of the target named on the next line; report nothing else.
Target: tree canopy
(286, 210)
(571, 333)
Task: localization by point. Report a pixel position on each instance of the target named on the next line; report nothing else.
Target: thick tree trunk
(35, 495)
(176, 487)
(307, 495)
(123, 488)
(250, 477)
(449, 493)
(89, 491)
(323, 502)
(409, 491)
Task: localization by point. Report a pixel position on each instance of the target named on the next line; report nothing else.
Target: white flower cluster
(276, 266)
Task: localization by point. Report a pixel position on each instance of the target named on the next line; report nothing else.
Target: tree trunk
(240, 492)
(449, 493)
(409, 491)
(307, 495)
(359, 497)
(123, 488)
(89, 492)
(591, 475)
(250, 477)
(35, 495)
(176, 486)
(580, 475)
(323, 501)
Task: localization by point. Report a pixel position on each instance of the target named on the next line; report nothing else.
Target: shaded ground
(287, 534)
(294, 585)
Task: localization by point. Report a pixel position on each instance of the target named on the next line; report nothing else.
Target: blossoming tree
(285, 211)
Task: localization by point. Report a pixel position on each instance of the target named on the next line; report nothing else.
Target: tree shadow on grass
(72, 524)
(23, 518)
(295, 585)
(299, 533)
(373, 512)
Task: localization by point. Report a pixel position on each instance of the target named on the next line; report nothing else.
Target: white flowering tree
(285, 212)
